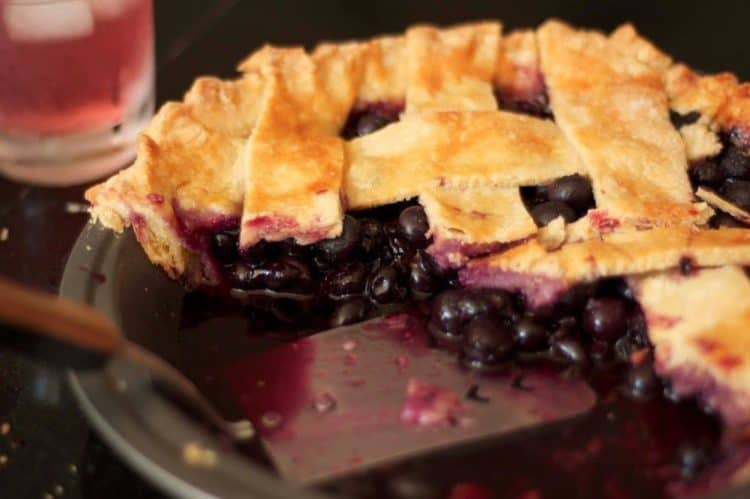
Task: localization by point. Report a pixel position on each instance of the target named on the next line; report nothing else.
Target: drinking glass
(76, 86)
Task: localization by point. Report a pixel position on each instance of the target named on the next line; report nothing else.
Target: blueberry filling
(341, 248)
(386, 285)
(598, 322)
(718, 172)
(706, 172)
(486, 342)
(370, 117)
(727, 173)
(642, 382)
(737, 192)
(569, 197)
(377, 260)
(534, 105)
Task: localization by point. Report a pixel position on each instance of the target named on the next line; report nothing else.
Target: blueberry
(473, 303)
(535, 194)
(225, 247)
(575, 298)
(734, 163)
(257, 254)
(679, 120)
(487, 340)
(599, 351)
(706, 172)
(454, 308)
(445, 313)
(242, 276)
(499, 301)
(642, 382)
(692, 457)
(370, 122)
(347, 279)
(530, 335)
(625, 346)
(413, 225)
(615, 287)
(546, 212)
(425, 262)
(343, 247)
(535, 106)
(373, 236)
(569, 351)
(687, 265)
(565, 326)
(624, 291)
(399, 249)
(284, 274)
(605, 318)
(725, 220)
(573, 190)
(637, 327)
(737, 192)
(288, 273)
(349, 311)
(421, 279)
(385, 285)
(290, 248)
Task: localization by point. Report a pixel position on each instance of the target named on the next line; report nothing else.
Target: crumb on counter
(4, 234)
(72, 207)
(195, 455)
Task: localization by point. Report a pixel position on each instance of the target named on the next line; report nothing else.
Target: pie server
(325, 405)
(77, 336)
(375, 392)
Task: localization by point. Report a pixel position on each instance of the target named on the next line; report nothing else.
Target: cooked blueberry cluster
(379, 259)
(592, 324)
(728, 173)
(569, 197)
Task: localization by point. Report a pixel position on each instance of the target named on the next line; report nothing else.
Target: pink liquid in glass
(80, 69)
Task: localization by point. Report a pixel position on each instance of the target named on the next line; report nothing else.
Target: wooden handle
(48, 315)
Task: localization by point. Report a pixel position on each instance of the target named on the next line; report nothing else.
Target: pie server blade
(337, 402)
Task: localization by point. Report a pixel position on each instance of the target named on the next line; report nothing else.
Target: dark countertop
(46, 447)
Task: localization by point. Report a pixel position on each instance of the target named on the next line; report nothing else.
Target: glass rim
(40, 2)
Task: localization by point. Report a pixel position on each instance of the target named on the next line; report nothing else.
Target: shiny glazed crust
(263, 152)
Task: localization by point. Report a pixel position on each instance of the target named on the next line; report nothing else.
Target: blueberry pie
(554, 195)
